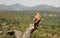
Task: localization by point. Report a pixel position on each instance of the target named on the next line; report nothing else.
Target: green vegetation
(20, 20)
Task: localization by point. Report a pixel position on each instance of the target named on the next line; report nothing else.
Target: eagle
(37, 19)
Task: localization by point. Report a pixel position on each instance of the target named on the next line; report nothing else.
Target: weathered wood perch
(29, 30)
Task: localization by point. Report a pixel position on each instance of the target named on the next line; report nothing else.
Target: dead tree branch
(29, 30)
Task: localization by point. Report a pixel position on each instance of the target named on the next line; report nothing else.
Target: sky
(31, 3)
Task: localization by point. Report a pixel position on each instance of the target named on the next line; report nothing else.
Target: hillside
(19, 7)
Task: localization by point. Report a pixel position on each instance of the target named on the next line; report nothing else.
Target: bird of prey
(37, 19)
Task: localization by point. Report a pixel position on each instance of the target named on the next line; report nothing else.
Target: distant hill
(19, 7)
(14, 7)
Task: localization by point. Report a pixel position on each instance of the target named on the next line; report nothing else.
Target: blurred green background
(20, 20)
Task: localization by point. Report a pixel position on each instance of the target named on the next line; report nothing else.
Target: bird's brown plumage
(37, 17)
